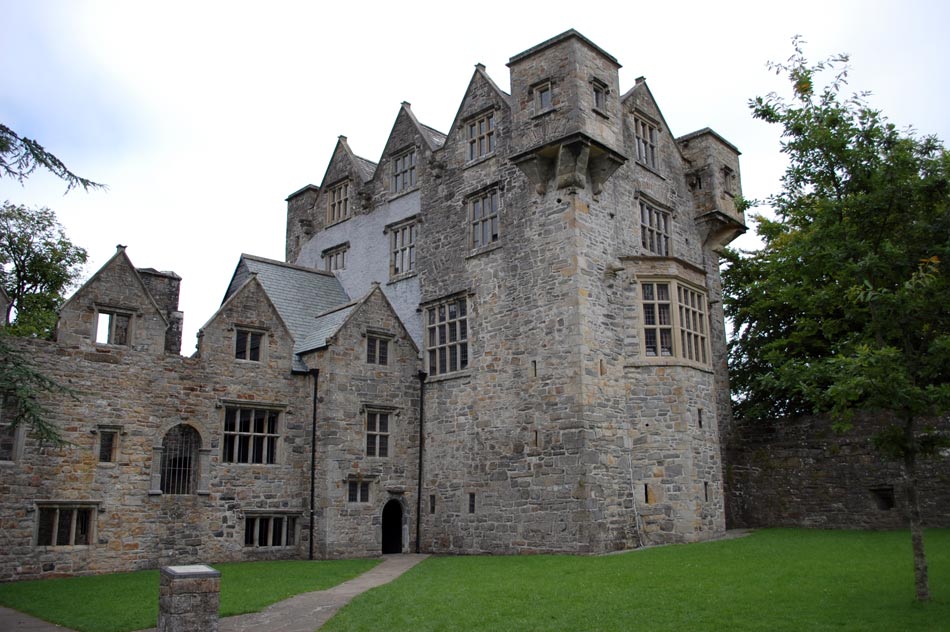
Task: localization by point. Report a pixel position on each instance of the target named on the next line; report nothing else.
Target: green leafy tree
(20, 157)
(845, 308)
(38, 263)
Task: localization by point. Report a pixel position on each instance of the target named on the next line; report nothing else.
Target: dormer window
(404, 171)
(338, 203)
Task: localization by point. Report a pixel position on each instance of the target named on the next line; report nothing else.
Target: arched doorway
(392, 527)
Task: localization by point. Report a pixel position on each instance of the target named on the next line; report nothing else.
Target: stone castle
(507, 338)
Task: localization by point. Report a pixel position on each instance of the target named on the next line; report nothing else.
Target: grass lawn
(776, 579)
(129, 601)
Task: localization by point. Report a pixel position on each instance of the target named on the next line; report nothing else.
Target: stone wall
(800, 473)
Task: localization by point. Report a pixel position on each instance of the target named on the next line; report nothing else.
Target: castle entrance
(392, 527)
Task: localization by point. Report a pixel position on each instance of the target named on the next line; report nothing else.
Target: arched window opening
(180, 460)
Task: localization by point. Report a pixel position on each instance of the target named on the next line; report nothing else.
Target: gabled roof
(477, 76)
(641, 86)
(121, 257)
(298, 293)
(324, 327)
(433, 137)
(367, 168)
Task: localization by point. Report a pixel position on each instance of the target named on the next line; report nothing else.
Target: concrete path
(302, 613)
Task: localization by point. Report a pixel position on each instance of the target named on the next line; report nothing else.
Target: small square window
(112, 328)
(431, 503)
(358, 492)
(248, 345)
(600, 96)
(377, 350)
(471, 503)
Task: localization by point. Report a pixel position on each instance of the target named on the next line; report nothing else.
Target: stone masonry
(506, 338)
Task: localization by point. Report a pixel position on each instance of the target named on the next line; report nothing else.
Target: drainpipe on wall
(313, 455)
(422, 398)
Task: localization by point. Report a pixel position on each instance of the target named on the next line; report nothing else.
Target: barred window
(250, 435)
(646, 135)
(377, 433)
(377, 350)
(403, 249)
(247, 345)
(484, 218)
(404, 171)
(671, 307)
(338, 203)
(180, 460)
(64, 525)
(358, 492)
(112, 328)
(655, 230)
(447, 336)
(481, 136)
(270, 531)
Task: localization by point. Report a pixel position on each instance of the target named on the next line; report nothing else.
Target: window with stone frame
(483, 218)
(270, 531)
(447, 336)
(404, 171)
(65, 524)
(543, 97)
(655, 230)
(335, 258)
(377, 349)
(9, 432)
(402, 260)
(338, 202)
(179, 469)
(600, 94)
(646, 137)
(247, 344)
(357, 491)
(251, 435)
(113, 327)
(377, 433)
(108, 447)
(481, 136)
(674, 321)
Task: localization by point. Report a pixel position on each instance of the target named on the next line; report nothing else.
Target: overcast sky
(202, 117)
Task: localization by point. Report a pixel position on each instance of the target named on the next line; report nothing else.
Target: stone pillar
(188, 599)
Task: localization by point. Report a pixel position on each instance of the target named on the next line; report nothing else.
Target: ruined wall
(800, 473)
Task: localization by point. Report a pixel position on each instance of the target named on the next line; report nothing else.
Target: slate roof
(367, 168)
(325, 326)
(299, 294)
(434, 137)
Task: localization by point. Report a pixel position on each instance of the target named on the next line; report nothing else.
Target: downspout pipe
(313, 456)
(422, 399)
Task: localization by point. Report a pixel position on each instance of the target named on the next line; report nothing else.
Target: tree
(844, 309)
(20, 156)
(37, 264)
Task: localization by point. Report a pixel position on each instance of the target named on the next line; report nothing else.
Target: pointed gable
(114, 308)
(482, 98)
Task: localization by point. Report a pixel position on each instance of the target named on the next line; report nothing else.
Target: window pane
(240, 350)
